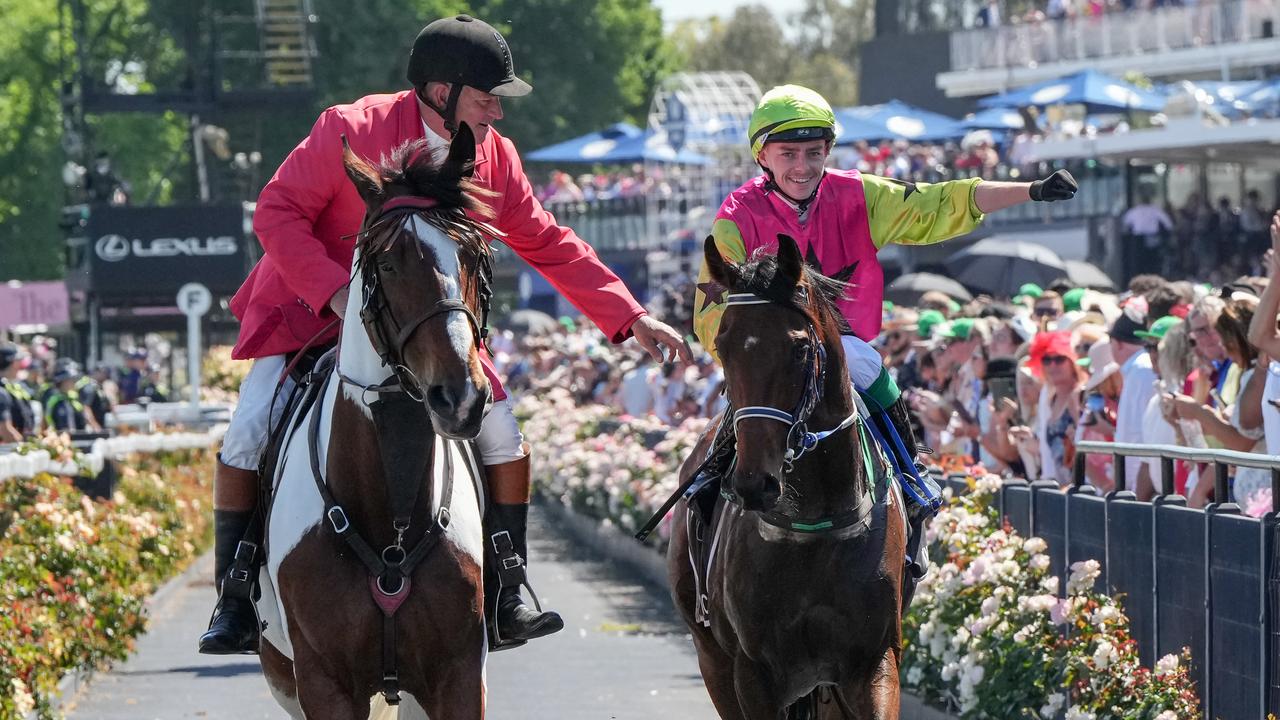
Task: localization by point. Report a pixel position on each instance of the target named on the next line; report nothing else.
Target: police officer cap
(68, 371)
(8, 354)
(464, 50)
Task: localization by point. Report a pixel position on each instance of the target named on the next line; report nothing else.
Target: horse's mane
(759, 276)
(413, 169)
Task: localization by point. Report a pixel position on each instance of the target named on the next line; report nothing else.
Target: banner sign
(156, 250)
(33, 303)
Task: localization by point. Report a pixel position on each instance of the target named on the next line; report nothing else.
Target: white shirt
(1146, 220)
(1139, 388)
(636, 392)
(1271, 414)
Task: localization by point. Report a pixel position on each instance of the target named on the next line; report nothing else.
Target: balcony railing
(1115, 34)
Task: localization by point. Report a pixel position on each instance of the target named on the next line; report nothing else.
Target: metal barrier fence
(1115, 34)
(1207, 579)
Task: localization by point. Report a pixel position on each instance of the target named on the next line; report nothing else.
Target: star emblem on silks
(910, 187)
(714, 293)
(843, 274)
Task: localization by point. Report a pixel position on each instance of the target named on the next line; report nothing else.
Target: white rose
(1165, 666)
(1052, 705)
(1039, 562)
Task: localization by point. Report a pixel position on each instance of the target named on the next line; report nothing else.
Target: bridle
(387, 334)
(800, 439)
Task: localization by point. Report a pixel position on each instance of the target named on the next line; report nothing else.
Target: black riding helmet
(462, 50)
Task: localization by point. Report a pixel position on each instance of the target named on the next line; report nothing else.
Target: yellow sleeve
(708, 298)
(908, 213)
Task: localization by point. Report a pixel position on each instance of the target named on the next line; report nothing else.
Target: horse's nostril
(440, 398)
(771, 492)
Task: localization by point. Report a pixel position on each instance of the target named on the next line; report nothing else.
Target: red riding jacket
(308, 207)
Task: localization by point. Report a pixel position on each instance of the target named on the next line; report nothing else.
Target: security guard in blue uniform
(63, 411)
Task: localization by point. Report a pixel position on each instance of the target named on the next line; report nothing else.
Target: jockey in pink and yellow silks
(840, 219)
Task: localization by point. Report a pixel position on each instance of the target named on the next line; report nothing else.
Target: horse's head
(421, 269)
(778, 335)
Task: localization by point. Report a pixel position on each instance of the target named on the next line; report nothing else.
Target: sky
(673, 10)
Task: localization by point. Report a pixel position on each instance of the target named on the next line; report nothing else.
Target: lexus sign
(153, 251)
(114, 248)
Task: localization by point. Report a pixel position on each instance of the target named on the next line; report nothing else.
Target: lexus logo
(112, 248)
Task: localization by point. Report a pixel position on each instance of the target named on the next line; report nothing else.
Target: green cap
(1072, 299)
(958, 329)
(886, 306)
(1028, 290)
(928, 320)
(1158, 329)
(789, 108)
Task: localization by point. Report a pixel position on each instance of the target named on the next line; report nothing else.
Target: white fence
(92, 459)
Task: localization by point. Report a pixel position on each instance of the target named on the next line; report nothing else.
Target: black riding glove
(1058, 186)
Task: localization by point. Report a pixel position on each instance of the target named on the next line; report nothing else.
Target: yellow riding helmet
(790, 112)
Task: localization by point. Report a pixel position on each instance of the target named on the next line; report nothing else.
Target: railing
(1207, 579)
(1115, 34)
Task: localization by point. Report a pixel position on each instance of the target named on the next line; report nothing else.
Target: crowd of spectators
(995, 13)
(39, 390)
(1198, 240)
(629, 182)
(1016, 385)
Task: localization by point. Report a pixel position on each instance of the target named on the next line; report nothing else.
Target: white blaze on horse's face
(446, 252)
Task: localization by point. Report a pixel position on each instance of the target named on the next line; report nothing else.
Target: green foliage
(816, 47)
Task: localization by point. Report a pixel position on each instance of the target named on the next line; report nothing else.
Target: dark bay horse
(372, 582)
(799, 615)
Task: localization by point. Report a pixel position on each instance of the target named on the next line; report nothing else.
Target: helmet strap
(450, 108)
(771, 185)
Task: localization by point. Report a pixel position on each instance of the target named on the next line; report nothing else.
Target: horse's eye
(800, 352)
(387, 267)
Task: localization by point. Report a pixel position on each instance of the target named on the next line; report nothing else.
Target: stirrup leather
(509, 570)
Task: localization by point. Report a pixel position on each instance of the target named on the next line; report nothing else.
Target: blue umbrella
(1098, 91)
(1230, 98)
(994, 119)
(588, 148)
(649, 147)
(1265, 100)
(895, 120)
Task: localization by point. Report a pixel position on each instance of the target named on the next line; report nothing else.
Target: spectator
(1138, 381)
(1098, 421)
(1054, 360)
(1146, 226)
(636, 392)
(1265, 336)
(1237, 424)
(1218, 379)
(1047, 309)
(152, 388)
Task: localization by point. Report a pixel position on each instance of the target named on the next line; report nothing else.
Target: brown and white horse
(322, 648)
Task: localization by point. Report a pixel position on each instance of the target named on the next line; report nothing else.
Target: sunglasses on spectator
(1055, 359)
(1046, 312)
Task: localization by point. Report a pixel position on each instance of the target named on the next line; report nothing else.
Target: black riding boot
(233, 629)
(510, 622)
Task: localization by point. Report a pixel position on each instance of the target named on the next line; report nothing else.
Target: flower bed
(618, 470)
(986, 636)
(74, 573)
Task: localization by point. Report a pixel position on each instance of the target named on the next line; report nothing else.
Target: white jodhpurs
(863, 361)
(499, 441)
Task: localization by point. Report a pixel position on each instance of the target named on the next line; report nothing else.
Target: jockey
(841, 219)
(460, 69)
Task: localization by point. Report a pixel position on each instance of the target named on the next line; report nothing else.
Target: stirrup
(509, 569)
(239, 580)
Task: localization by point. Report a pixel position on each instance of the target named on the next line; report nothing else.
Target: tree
(591, 63)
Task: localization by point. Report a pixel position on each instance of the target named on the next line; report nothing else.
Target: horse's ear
(461, 161)
(362, 174)
(790, 264)
(722, 271)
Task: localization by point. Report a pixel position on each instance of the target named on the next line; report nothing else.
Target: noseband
(800, 439)
(388, 335)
